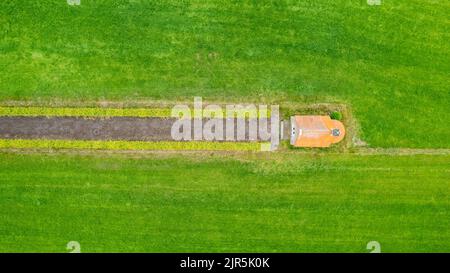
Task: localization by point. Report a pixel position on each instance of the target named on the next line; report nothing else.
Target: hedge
(130, 145)
(84, 112)
(336, 115)
(93, 112)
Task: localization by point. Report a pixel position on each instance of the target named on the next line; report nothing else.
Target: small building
(315, 131)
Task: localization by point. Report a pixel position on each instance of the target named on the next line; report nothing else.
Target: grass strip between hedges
(97, 112)
(130, 145)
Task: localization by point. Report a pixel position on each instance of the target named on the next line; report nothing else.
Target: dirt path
(114, 128)
(94, 129)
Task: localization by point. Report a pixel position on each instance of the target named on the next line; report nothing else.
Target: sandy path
(114, 128)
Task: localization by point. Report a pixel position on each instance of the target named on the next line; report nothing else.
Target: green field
(390, 63)
(308, 203)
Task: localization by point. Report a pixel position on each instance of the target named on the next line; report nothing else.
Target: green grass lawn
(390, 63)
(318, 203)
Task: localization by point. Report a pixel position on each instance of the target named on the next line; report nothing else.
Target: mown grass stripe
(129, 145)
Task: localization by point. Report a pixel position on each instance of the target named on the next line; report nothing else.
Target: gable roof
(315, 131)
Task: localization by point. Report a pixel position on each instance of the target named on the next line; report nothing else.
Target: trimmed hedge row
(129, 145)
(96, 112)
(84, 112)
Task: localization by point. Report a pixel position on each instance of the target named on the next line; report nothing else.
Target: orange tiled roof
(316, 131)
